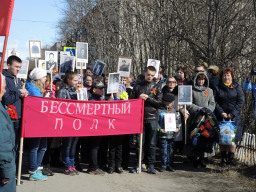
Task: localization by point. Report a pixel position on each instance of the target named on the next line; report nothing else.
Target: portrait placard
(35, 49)
(42, 64)
(51, 58)
(67, 63)
(170, 122)
(185, 95)
(124, 66)
(23, 73)
(98, 67)
(113, 82)
(82, 52)
(155, 63)
(82, 94)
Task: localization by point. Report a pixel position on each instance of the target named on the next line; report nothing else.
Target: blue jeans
(8, 187)
(166, 151)
(149, 141)
(37, 148)
(69, 151)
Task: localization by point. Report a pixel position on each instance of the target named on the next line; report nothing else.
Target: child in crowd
(37, 146)
(166, 138)
(69, 91)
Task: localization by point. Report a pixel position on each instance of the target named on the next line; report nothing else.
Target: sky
(33, 20)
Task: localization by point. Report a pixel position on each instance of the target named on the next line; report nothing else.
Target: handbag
(227, 132)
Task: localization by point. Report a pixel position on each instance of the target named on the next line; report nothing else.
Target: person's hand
(186, 116)
(143, 96)
(163, 131)
(230, 116)
(224, 115)
(4, 181)
(24, 93)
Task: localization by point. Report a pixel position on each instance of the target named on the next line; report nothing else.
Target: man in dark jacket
(14, 92)
(152, 94)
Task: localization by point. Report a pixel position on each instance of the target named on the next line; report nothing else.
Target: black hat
(168, 97)
(98, 85)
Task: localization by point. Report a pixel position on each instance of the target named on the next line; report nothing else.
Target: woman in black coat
(229, 100)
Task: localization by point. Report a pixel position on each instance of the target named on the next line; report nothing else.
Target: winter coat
(213, 81)
(201, 97)
(7, 145)
(154, 100)
(230, 100)
(33, 90)
(12, 95)
(93, 97)
(67, 92)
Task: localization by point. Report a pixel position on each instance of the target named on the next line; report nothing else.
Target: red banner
(6, 9)
(46, 117)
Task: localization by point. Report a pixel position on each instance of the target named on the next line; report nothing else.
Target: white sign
(23, 73)
(82, 94)
(154, 63)
(170, 122)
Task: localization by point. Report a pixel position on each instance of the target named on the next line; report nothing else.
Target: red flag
(6, 9)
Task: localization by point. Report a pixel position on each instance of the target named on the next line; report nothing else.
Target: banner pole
(140, 155)
(20, 160)
(81, 71)
(51, 81)
(185, 124)
(3, 55)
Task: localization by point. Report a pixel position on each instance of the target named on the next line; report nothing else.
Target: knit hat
(214, 67)
(37, 73)
(168, 97)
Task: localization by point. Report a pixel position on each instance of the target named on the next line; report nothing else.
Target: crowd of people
(216, 94)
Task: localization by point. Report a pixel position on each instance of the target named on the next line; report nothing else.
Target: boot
(223, 159)
(231, 160)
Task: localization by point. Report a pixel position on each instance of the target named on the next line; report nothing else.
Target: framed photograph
(35, 49)
(13, 52)
(154, 63)
(185, 94)
(82, 51)
(82, 94)
(67, 62)
(23, 73)
(42, 64)
(79, 64)
(51, 59)
(98, 67)
(170, 122)
(113, 82)
(124, 66)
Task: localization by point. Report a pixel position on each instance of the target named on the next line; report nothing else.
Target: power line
(34, 21)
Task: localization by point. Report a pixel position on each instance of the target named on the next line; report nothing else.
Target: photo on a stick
(98, 67)
(124, 66)
(35, 49)
(185, 95)
(113, 82)
(67, 63)
(82, 52)
(42, 64)
(51, 58)
(82, 94)
(23, 73)
(155, 63)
